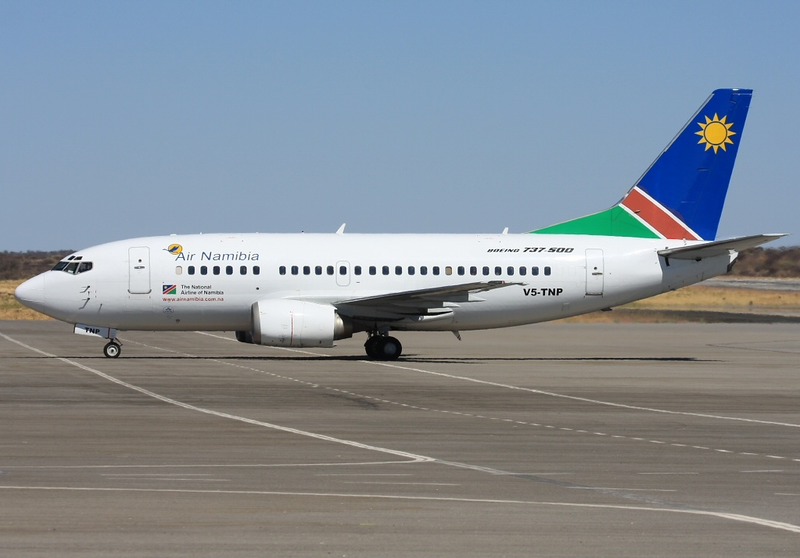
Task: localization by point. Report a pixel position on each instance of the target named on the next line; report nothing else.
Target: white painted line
(720, 515)
(575, 398)
(413, 457)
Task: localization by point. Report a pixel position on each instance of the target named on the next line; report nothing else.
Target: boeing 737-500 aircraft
(309, 290)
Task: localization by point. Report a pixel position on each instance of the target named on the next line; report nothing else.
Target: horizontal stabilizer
(718, 247)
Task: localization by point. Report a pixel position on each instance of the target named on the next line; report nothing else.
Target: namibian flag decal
(170, 289)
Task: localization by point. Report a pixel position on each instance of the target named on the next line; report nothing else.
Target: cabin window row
(413, 270)
(218, 270)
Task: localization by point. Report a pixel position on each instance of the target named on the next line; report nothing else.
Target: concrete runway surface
(548, 440)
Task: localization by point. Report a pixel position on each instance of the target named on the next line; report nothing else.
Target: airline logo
(175, 249)
(715, 133)
(170, 289)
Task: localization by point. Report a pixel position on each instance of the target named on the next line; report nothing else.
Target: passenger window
(461, 270)
(256, 270)
(372, 270)
(282, 270)
(330, 270)
(423, 270)
(191, 270)
(436, 270)
(295, 270)
(318, 270)
(178, 270)
(306, 270)
(203, 270)
(485, 270)
(398, 270)
(243, 270)
(385, 270)
(510, 270)
(535, 270)
(342, 270)
(357, 270)
(411, 270)
(448, 270)
(473, 270)
(229, 270)
(523, 270)
(216, 270)
(498, 270)
(547, 270)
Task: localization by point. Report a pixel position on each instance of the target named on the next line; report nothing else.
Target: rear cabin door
(139, 270)
(594, 272)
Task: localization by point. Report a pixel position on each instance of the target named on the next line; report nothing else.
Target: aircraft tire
(112, 350)
(371, 346)
(389, 348)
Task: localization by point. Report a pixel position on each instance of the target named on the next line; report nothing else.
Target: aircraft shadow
(403, 360)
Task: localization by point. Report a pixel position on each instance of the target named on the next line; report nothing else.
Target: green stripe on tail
(611, 222)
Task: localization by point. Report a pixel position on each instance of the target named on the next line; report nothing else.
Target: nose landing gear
(112, 349)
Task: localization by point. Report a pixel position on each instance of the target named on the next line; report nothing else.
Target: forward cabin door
(594, 272)
(139, 270)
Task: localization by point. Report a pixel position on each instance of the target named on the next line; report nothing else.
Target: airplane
(310, 290)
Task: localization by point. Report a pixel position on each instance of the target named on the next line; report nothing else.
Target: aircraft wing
(422, 302)
(718, 247)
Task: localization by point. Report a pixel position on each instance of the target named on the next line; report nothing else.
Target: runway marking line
(413, 458)
(720, 515)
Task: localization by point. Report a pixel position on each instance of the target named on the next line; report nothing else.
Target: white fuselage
(211, 281)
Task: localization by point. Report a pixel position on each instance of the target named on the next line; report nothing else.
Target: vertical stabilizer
(682, 194)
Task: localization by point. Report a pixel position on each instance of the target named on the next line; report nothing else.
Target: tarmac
(557, 439)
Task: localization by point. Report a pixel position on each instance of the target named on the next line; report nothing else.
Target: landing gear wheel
(371, 346)
(389, 348)
(112, 350)
(381, 347)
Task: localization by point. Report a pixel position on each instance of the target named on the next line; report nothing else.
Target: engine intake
(295, 323)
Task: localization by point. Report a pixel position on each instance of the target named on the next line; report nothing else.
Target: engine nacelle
(296, 323)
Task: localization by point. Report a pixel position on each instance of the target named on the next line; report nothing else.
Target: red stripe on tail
(657, 217)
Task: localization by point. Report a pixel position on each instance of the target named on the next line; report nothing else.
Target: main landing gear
(112, 349)
(383, 347)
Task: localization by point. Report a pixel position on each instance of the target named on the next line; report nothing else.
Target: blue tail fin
(691, 177)
(682, 193)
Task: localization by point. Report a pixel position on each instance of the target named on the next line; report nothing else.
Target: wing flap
(420, 302)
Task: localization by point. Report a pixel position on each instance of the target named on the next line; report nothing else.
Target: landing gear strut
(383, 347)
(112, 349)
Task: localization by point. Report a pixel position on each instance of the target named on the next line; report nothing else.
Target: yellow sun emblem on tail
(715, 132)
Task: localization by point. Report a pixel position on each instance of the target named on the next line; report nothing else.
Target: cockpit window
(73, 265)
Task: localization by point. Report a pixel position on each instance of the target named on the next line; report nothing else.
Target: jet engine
(295, 323)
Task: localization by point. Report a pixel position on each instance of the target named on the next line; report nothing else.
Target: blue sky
(124, 119)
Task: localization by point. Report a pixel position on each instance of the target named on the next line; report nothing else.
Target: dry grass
(699, 298)
(10, 309)
(696, 298)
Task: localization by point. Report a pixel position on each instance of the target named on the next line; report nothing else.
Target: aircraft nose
(31, 293)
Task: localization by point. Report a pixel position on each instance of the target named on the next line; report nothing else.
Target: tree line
(756, 262)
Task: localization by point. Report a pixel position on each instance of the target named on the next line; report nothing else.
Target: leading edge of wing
(718, 247)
